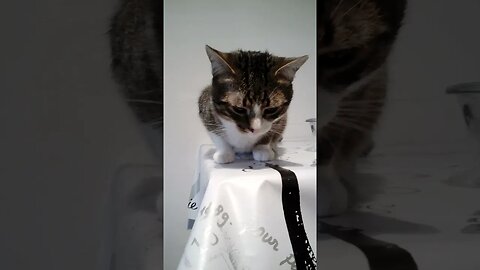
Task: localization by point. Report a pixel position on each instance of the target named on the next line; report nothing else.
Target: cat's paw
(223, 157)
(263, 153)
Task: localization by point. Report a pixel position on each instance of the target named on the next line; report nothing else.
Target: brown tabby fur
(245, 79)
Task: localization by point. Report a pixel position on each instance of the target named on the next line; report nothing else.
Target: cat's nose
(256, 124)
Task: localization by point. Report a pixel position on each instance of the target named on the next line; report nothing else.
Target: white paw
(222, 157)
(263, 153)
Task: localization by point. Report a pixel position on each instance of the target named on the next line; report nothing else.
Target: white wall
(285, 28)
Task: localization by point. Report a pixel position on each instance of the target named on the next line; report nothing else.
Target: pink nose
(256, 123)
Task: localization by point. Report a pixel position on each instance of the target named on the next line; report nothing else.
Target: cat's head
(252, 89)
(354, 38)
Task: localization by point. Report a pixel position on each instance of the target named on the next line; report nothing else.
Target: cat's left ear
(289, 66)
(220, 62)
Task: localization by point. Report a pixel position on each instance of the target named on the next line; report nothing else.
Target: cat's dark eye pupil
(239, 110)
(221, 103)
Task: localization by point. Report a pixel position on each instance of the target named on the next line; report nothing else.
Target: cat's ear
(220, 62)
(289, 67)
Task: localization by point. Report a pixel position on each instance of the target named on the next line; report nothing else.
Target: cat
(354, 40)
(245, 107)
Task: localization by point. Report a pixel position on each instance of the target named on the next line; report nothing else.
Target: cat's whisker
(350, 9)
(336, 8)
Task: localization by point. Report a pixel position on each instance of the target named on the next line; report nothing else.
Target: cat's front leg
(263, 152)
(332, 195)
(224, 153)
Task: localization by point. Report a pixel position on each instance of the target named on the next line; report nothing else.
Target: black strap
(381, 255)
(302, 251)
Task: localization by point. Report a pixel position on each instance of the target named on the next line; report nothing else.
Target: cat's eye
(239, 110)
(269, 111)
(338, 58)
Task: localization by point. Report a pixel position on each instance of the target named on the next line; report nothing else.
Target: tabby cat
(245, 107)
(354, 40)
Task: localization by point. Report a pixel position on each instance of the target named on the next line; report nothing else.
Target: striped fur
(354, 39)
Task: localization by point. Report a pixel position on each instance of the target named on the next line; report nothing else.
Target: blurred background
(436, 48)
(65, 131)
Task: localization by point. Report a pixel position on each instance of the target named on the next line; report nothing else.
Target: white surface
(413, 207)
(243, 197)
(283, 27)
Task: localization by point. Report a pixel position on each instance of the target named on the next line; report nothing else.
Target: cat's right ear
(219, 60)
(289, 66)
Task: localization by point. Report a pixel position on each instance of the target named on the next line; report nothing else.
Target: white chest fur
(240, 141)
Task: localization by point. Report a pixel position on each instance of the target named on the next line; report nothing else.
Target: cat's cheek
(223, 157)
(263, 153)
(266, 127)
